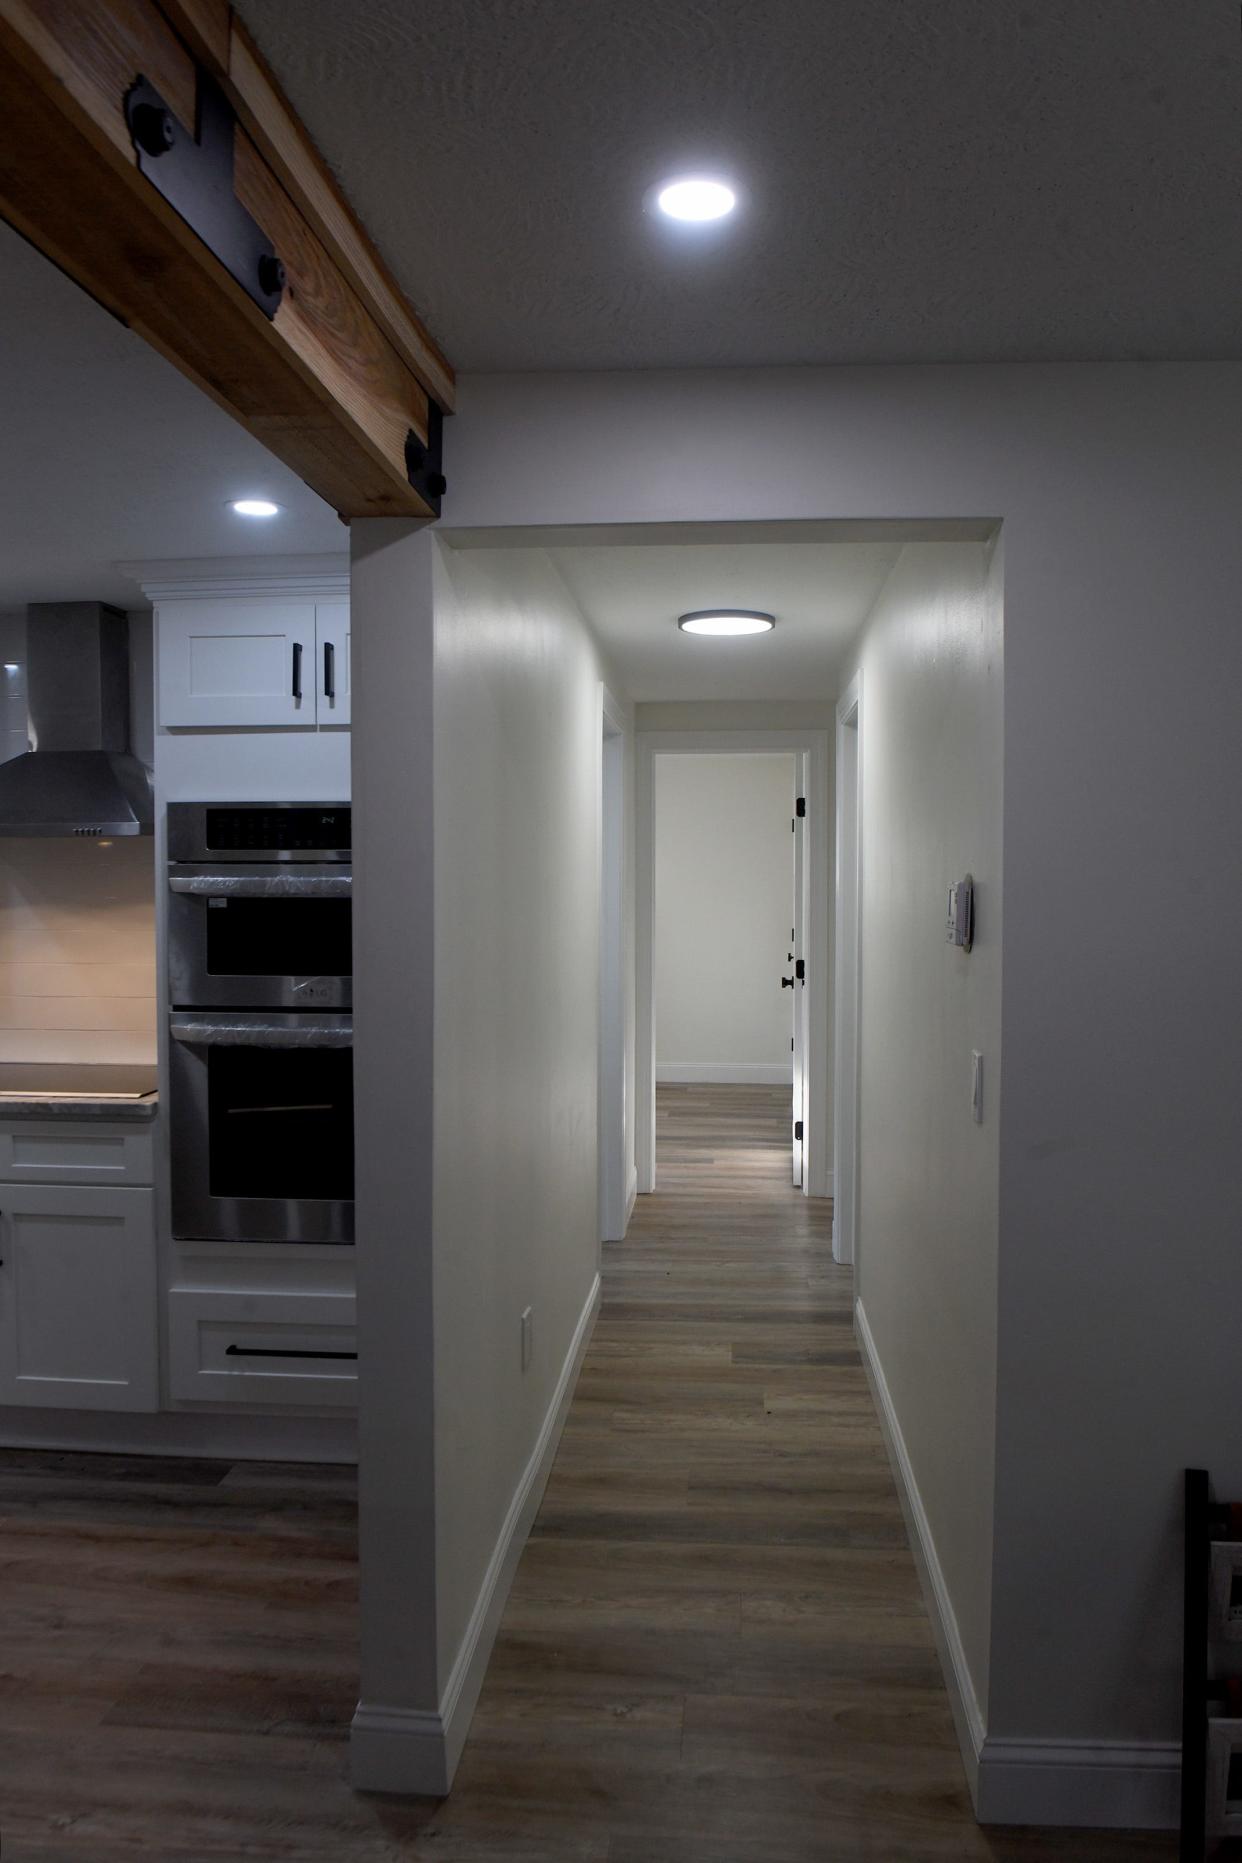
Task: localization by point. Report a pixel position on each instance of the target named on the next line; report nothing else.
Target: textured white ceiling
(926, 180)
(820, 594)
(107, 454)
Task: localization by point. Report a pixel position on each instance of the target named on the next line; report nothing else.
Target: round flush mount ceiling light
(254, 507)
(726, 621)
(695, 198)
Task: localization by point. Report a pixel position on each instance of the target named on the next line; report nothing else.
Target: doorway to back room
(728, 1001)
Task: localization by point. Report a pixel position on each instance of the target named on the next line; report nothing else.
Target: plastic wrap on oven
(264, 885)
(252, 1032)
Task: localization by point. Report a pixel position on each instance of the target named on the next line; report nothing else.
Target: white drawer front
(261, 1348)
(68, 1154)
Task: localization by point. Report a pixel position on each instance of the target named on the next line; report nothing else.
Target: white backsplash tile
(77, 950)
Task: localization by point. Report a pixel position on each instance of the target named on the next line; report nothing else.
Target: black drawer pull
(236, 1351)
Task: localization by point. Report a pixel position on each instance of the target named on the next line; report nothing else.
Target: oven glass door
(245, 939)
(262, 1128)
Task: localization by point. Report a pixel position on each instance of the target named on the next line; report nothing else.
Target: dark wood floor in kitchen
(714, 1652)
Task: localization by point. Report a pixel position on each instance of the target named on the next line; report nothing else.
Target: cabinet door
(78, 1297)
(332, 661)
(230, 663)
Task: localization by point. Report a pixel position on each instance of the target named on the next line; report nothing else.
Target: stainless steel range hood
(80, 776)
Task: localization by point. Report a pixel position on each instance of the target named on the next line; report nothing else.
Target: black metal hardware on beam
(800, 970)
(195, 176)
(424, 465)
(800, 806)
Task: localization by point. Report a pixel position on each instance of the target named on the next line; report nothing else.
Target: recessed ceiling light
(254, 507)
(726, 621)
(694, 197)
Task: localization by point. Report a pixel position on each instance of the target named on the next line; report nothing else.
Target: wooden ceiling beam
(336, 380)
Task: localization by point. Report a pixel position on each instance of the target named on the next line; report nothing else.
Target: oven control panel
(272, 831)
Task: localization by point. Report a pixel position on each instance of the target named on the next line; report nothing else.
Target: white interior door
(798, 973)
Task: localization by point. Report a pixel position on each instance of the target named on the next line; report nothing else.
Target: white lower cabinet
(78, 1297)
(259, 1346)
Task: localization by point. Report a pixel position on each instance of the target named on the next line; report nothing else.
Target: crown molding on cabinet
(322, 577)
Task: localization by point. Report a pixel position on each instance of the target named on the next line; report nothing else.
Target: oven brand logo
(315, 989)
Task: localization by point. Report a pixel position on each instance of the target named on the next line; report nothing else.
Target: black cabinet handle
(329, 670)
(297, 670)
(236, 1351)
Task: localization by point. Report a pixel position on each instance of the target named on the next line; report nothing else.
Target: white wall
(477, 1028)
(930, 671)
(1120, 1202)
(723, 911)
(518, 747)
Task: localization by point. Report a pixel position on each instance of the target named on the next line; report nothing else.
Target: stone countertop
(63, 1091)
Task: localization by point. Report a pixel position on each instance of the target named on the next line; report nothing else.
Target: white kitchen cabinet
(260, 663)
(78, 1297)
(230, 663)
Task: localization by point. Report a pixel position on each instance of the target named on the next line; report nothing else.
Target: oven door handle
(255, 1033)
(264, 885)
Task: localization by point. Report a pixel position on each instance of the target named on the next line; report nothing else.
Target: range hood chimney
(79, 776)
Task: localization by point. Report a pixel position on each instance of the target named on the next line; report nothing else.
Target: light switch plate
(959, 927)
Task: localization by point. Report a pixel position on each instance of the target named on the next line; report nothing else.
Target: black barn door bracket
(424, 465)
(195, 176)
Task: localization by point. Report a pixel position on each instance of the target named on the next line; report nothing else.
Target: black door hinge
(194, 173)
(800, 969)
(800, 806)
(797, 1129)
(424, 465)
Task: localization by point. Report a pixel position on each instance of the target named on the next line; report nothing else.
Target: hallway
(715, 1650)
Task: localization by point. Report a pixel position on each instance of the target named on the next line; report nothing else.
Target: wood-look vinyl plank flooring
(715, 1650)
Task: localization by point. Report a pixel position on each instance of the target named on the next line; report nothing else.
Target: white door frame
(817, 1173)
(847, 992)
(614, 1201)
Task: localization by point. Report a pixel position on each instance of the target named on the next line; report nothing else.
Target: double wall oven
(261, 1031)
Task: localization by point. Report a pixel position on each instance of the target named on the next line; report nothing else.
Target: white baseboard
(725, 1074)
(631, 1196)
(967, 1716)
(224, 1437)
(1104, 1785)
(416, 1751)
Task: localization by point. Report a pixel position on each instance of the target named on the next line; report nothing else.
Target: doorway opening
(731, 888)
(616, 1182)
(846, 983)
(728, 999)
